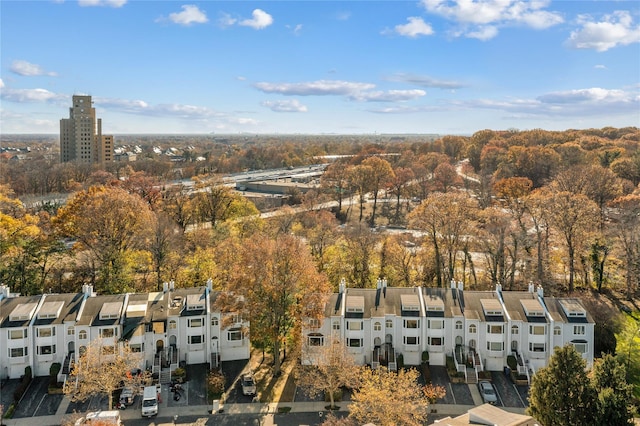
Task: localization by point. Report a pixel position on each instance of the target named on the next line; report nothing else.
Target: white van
(149, 401)
(111, 417)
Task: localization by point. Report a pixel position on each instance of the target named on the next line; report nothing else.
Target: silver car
(248, 384)
(488, 393)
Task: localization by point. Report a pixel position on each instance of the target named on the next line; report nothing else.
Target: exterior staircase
(164, 377)
(68, 363)
(471, 375)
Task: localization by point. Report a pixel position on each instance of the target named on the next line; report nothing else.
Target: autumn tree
(327, 369)
(398, 261)
(381, 176)
(216, 203)
(560, 393)
(389, 398)
(625, 215)
(359, 181)
(572, 216)
(335, 181)
(108, 222)
(445, 176)
(447, 218)
(399, 187)
(102, 368)
(276, 275)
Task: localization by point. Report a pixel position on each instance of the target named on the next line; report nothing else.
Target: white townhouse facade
(171, 328)
(478, 329)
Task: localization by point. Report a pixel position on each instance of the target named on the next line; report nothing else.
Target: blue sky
(429, 66)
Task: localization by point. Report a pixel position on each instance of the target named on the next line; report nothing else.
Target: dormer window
(50, 310)
(23, 312)
(110, 311)
(532, 308)
(195, 302)
(355, 304)
(491, 307)
(573, 310)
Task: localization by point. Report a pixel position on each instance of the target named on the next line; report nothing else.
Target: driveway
(231, 371)
(196, 389)
(36, 400)
(509, 394)
(457, 393)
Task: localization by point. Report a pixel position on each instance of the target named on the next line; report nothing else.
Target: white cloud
(613, 30)
(319, 87)
(600, 67)
(481, 18)
(285, 106)
(28, 69)
(591, 102)
(388, 96)
(190, 14)
(414, 28)
(225, 20)
(426, 81)
(144, 108)
(484, 33)
(260, 20)
(343, 16)
(32, 95)
(1, 84)
(109, 3)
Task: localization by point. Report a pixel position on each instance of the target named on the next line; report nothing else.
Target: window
(515, 329)
(538, 330)
(45, 332)
(335, 325)
(214, 321)
(82, 334)
(71, 331)
(557, 331)
(494, 328)
(458, 325)
(579, 330)
(495, 346)
(194, 340)
(537, 347)
(195, 322)
(234, 334)
(107, 332)
(355, 343)
(315, 339)
(473, 329)
(436, 324)
(18, 333)
(435, 341)
(17, 352)
(314, 323)
(411, 323)
(354, 325)
(172, 324)
(581, 347)
(411, 340)
(46, 350)
(137, 347)
(388, 323)
(377, 326)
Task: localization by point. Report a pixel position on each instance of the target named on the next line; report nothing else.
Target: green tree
(560, 393)
(613, 406)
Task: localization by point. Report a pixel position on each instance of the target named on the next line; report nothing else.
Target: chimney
(460, 286)
(343, 286)
(453, 284)
(531, 287)
(165, 287)
(87, 290)
(540, 291)
(4, 291)
(172, 285)
(498, 288)
(378, 283)
(209, 284)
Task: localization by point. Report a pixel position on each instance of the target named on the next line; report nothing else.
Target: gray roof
(65, 305)
(7, 307)
(94, 306)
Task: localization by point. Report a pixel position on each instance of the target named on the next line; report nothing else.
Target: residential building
(478, 330)
(169, 328)
(81, 138)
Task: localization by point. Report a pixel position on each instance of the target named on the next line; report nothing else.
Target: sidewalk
(268, 409)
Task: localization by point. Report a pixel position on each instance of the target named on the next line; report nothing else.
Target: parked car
(488, 392)
(248, 384)
(126, 396)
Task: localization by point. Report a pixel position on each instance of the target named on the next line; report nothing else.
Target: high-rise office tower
(81, 138)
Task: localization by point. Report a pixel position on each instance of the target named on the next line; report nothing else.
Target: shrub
(215, 384)
(425, 356)
(55, 369)
(512, 363)
(400, 361)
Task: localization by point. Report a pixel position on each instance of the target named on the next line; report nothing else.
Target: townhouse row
(478, 329)
(169, 328)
